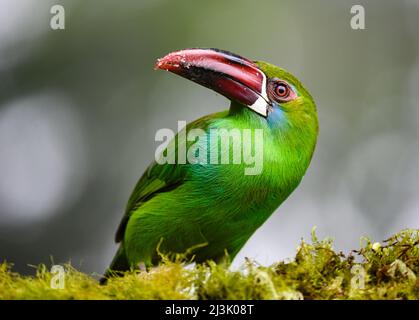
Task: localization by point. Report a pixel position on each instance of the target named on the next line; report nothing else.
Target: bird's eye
(280, 91)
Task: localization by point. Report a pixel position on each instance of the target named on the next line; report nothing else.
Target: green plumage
(214, 205)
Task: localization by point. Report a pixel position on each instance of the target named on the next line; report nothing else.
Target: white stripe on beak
(261, 104)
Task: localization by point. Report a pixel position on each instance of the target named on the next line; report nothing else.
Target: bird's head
(271, 92)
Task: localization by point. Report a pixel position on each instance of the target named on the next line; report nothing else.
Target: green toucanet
(216, 207)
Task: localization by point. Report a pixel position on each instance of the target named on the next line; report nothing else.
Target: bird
(214, 208)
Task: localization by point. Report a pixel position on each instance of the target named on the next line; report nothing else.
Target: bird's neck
(289, 141)
(245, 113)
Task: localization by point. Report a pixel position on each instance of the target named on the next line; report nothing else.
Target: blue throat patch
(277, 116)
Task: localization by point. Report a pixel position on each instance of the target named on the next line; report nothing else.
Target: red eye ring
(282, 90)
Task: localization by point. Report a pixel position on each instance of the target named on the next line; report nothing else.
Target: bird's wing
(156, 179)
(160, 178)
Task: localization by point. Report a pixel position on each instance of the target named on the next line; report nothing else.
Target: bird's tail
(118, 265)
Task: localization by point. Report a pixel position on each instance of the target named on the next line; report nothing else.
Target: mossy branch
(386, 270)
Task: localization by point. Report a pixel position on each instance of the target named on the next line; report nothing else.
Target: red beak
(234, 77)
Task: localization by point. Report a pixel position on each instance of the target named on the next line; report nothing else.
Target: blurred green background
(79, 109)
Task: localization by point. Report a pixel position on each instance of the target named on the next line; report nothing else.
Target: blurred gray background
(79, 109)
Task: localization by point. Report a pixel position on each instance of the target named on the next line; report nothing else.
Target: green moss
(375, 271)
